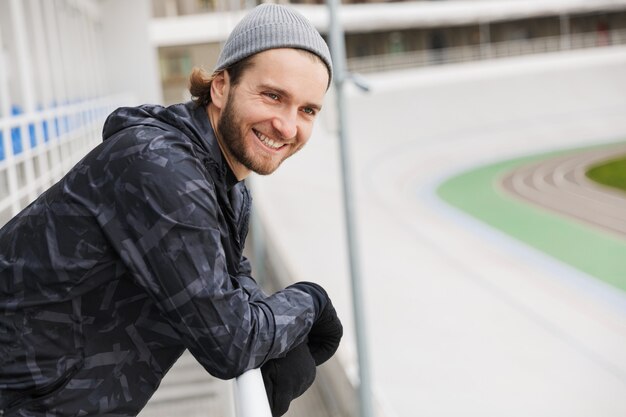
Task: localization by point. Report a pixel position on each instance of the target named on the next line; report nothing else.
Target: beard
(233, 136)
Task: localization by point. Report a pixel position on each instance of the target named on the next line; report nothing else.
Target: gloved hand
(288, 377)
(325, 335)
(327, 330)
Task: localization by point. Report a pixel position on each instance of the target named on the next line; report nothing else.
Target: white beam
(215, 27)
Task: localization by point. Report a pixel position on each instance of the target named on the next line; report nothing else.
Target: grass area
(611, 173)
(584, 247)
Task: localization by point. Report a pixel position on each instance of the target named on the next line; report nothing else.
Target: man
(136, 254)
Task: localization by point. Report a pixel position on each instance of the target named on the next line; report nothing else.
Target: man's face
(268, 116)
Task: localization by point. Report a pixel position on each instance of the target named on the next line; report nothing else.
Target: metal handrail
(456, 54)
(250, 395)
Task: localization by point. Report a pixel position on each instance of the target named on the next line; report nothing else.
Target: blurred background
(488, 163)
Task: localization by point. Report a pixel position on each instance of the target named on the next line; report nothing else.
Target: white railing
(38, 148)
(250, 395)
(458, 54)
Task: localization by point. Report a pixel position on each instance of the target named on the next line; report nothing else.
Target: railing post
(338, 52)
(250, 395)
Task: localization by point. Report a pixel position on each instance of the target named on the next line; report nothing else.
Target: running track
(560, 184)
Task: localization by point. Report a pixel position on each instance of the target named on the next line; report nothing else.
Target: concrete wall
(130, 59)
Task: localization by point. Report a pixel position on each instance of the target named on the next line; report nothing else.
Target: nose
(286, 123)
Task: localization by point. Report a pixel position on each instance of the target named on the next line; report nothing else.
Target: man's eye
(309, 110)
(272, 96)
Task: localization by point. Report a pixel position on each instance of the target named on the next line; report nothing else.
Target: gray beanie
(270, 26)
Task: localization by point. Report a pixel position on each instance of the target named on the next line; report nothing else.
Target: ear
(220, 86)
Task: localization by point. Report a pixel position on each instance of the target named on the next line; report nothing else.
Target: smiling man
(268, 114)
(137, 253)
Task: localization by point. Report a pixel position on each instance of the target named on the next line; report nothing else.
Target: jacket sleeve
(164, 225)
(249, 284)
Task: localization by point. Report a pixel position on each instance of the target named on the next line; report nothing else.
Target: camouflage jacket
(135, 255)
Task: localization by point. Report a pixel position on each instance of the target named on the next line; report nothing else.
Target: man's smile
(267, 141)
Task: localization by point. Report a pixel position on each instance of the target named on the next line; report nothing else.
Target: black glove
(325, 335)
(327, 330)
(288, 377)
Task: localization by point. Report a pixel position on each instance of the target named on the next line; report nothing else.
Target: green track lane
(591, 250)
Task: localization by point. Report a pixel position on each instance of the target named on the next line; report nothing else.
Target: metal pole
(5, 113)
(25, 73)
(340, 75)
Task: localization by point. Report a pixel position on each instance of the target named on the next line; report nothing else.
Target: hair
(200, 80)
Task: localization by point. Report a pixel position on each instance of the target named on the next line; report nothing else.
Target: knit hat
(270, 26)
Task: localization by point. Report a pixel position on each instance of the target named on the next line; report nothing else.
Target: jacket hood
(190, 119)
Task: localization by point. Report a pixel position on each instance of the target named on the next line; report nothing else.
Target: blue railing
(51, 127)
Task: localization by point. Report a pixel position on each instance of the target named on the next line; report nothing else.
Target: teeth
(269, 142)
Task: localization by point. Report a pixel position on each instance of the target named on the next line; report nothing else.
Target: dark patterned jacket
(135, 255)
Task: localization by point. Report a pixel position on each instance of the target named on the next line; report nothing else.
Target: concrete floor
(462, 320)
